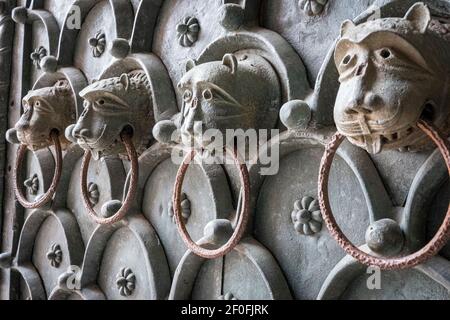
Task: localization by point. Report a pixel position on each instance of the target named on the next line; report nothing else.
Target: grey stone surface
(151, 69)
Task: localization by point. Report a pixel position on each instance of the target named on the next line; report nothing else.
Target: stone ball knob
(218, 231)
(20, 15)
(120, 48)
(164, 131)
(296, 114)
(69, 133)
(11, 136)
(110, 208)
(6, 260)
(385, 237)
(49, 64)
(231, 16)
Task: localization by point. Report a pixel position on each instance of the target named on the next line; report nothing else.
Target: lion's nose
(364, 105)
(80, 133)
(22, 125)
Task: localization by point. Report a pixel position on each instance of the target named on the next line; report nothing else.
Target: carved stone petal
(315, 226)
(307, 230)
(306, 201)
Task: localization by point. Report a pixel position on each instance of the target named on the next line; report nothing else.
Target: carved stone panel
(224, 150)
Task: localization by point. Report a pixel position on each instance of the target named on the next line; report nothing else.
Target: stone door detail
(345, 195)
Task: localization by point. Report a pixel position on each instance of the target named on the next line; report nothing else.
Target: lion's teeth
(373, 144)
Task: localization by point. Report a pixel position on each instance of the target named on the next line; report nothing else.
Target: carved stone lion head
(112, 106)
(393, 71)
(45, 109)
(240, 92)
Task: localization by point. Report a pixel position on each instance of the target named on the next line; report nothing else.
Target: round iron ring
(396, 263)
(131, 194)
(243, 217)
(48, 196)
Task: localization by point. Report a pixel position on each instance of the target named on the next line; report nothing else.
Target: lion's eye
(37, 104)
(207, 94)
(346, 60)
(101, 102)
(385, 53)
(187, 95)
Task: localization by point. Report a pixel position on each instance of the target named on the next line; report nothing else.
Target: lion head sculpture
(45, 110)
(240, 92)
(393, 71)
(112, 106)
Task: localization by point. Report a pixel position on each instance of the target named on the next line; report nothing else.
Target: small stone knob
(49, 64)
(218, 231)
(6, 260)
(11, 136)
(164, 130)
(120, 48)
(69, 133)
(296, 114)
(110, 208)
(385, 237)
(231, 16)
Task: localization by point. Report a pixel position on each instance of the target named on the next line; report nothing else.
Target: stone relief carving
(185, 207)
(111, 106)
(312, 7)
(187, 31)
(239, 92)
(126, 282)
(98, 44)
(32, 184)
(55, 255)
(37, 56)
(389, 81)
(45, 110)
(242, 89)
(306, 216)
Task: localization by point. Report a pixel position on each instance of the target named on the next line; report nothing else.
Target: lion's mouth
(376, 142)
(34, 143)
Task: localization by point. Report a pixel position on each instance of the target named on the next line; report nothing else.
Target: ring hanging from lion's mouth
(131, 194)
(409, 261)
(48, 196)
(243, 216)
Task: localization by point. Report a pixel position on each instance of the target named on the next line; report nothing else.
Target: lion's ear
(190, 64)
(230, 61)
(125, 81)
(346, 27)
(419, 16)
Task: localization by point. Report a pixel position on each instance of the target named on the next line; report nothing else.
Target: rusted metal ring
(409, 261)
(242, 218)
(48, 196)
(131, 194)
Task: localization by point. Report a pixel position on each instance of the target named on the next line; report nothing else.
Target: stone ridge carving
(112, 106)
(393, 71)
(240, 92)
(44, 110)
